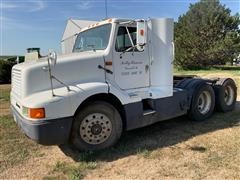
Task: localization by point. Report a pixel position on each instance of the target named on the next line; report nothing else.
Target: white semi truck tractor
(118, 77)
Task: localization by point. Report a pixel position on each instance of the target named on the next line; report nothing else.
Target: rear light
(34, 113)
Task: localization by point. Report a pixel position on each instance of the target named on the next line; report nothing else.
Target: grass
(175, 149)
(4, 95)
(214, 73)
(4, 99)
(73, 171)
(207, 72)
(144, 152)
(15, 148)
(84, 163)
(183, 149)
(5, 92)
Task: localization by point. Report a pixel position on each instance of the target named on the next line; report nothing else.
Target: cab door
(131, 69)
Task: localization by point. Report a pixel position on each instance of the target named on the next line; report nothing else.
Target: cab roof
(107, 21)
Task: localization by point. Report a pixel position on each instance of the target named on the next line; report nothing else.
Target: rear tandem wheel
(203, 102)
(226, 94)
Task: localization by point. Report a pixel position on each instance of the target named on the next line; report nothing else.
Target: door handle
(105, 69)
(147, 68)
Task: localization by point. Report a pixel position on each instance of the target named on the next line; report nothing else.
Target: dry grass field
(174, 149)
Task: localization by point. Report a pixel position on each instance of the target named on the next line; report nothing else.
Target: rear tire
(226, 95)
(96, 127)
(203, 102)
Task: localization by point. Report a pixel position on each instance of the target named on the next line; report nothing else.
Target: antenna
(106, 13)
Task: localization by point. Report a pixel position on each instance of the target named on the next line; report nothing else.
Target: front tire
(97, 126)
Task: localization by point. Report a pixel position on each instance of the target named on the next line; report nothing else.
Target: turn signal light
(108, 63)
(34, 113)
(37, 113)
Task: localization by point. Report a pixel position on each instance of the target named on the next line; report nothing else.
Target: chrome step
(148, 112)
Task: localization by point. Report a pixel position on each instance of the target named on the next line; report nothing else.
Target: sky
(41, 23)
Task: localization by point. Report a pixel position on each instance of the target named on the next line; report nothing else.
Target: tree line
(206, 35)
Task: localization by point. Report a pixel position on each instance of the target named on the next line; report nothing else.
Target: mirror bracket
(52, 59)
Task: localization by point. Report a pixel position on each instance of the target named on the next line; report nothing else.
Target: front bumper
(46, 132)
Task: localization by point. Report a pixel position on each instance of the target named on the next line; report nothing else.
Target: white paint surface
(31, 83)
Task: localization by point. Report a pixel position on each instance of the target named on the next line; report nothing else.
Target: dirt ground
(4, 108)
(182, 160)
(175, 149)
(37, 167)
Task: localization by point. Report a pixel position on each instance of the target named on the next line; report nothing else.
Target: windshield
(93, 39)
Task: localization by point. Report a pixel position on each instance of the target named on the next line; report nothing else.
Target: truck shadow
(159, 135)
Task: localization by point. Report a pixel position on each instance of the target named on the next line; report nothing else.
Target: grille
(16, 82)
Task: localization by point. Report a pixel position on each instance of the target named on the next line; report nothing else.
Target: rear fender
(190, 85)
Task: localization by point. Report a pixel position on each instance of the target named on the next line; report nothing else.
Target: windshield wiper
(92, 46)
(89, 46)
(78, 49)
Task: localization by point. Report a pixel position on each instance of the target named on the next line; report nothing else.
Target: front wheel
(97, 126)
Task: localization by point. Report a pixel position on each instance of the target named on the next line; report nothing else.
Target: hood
(71, 69)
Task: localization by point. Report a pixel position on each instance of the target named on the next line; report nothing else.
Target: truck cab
(118, 77)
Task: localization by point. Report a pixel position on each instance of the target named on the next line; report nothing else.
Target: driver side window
(122, 41)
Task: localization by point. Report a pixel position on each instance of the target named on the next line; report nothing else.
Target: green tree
(206, 35)
(5, 71)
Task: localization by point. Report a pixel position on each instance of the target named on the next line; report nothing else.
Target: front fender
(84, 91)
(64, 103)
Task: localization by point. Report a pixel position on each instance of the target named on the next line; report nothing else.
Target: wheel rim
(204, 102)
(229, 95)
(95, 128)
